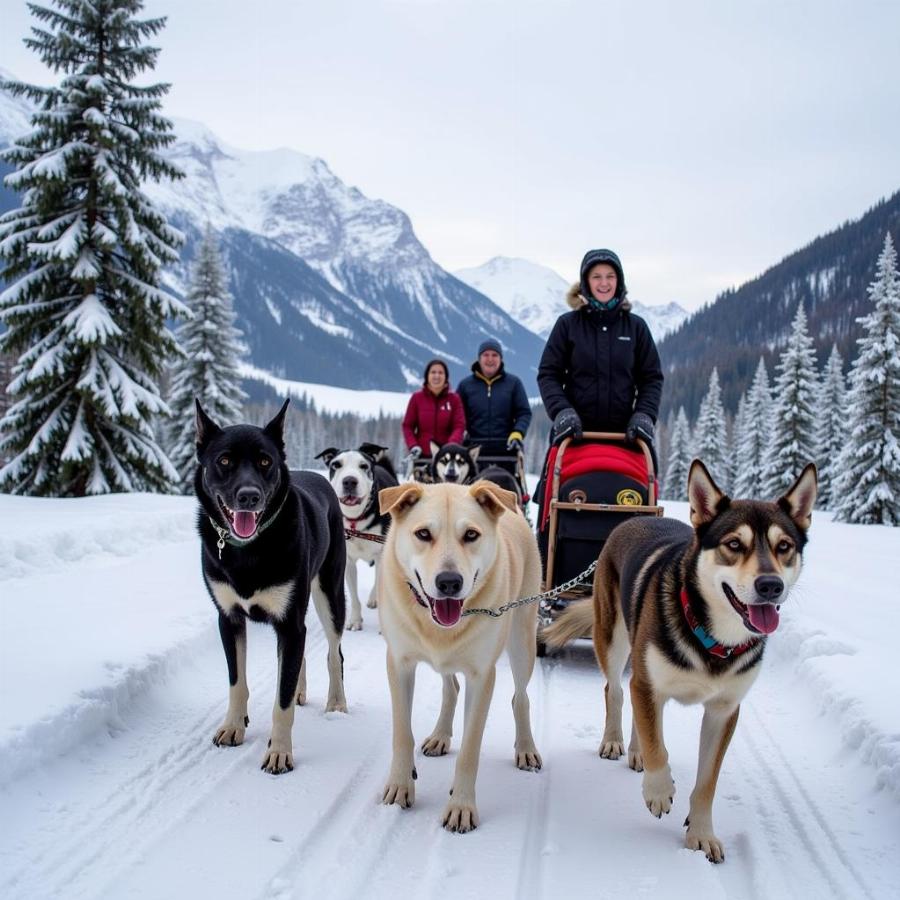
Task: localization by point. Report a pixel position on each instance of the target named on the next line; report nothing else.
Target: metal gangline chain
(547, 595)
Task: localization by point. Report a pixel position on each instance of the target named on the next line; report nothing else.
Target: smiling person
(600, 369)
(434, 413)
(497, 410)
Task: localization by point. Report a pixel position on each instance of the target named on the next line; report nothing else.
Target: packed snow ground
(113, 682)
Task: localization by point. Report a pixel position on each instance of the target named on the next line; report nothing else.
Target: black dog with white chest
(270, 538)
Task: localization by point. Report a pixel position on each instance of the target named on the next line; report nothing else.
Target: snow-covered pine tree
(208, 370)
(831, 413)
(710, 433)
(753, 443)
(83, 255)
(868, 488)
(792, 443)
(679, 462)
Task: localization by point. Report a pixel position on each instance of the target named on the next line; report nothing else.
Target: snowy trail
(147, 807)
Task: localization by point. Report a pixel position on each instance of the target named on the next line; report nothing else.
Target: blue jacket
(494, 408)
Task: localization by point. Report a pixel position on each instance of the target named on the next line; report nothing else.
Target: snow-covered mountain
(330, 286)
(378, 293)
(535, 295)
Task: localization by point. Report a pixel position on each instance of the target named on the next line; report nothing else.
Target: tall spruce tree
(208, 369)
(83, 256)
(831, 413)
(754, 442)
(679, 463)
(710, 432)
(793, 441)
(868, 488)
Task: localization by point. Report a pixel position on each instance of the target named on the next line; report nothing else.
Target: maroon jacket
(428, 418)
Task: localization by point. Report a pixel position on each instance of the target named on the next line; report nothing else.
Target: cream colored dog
(452, 548)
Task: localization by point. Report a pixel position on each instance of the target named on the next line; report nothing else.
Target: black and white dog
(456, 464)
(269, 538)
(453, 463)
(356, 477)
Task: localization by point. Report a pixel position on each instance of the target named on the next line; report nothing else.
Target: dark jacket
(494, 407)
(602, 363)
(428, 418)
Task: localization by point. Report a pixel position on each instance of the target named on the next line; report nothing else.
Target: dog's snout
(769, 587)
(350, 483)
(247, 497)
(449, 583)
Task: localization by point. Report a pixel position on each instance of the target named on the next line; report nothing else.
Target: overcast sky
(702, 141)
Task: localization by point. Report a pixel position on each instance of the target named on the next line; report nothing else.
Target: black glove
(566, 424)
(640, 425)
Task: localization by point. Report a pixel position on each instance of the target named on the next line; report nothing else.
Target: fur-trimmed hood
(575, 299)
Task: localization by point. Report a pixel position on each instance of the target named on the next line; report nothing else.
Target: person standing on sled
(600, 369)
(434, 413)
(496, 406)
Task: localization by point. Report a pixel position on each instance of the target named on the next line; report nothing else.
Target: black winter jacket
(494, 408)
(603, 364)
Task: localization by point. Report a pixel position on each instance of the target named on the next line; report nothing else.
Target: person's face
(490, 363)
(602, 281)
(436, 379)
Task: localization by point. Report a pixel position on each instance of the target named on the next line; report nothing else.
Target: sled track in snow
(113, 833)
(530, 878)
(781, 783)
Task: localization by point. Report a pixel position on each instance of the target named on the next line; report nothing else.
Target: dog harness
(712, 645)
(226, 537)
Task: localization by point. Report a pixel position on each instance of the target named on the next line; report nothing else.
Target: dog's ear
(327, 455)
(798, 502)
(206, 428)
(400, 498)
(494, 499)
(705, 498)
(474, 451)
(376, 451)
(275, 428)
(435, 448)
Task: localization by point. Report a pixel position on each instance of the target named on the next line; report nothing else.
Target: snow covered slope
(535, 295)
(329, 285)
(113, 681)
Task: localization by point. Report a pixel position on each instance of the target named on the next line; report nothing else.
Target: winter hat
(490, 344)
(591, 259)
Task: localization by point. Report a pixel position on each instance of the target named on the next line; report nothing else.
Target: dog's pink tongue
(448, 611)
(764, 618)
(245, 524)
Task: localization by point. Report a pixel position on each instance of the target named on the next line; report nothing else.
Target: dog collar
(702, 635)
(226, 537)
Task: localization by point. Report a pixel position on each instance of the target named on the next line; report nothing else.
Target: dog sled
(590, 486)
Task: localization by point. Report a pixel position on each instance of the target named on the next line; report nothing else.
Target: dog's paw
(355, 625)
(635, 760)
(460, 817)
(277, 761)
(336, 705)
(612, 749)
(436, 744)
(705, 840)
(230, 734)
(659, 791)
(399, 791)
(301, 698)
(529, 759)
(372, 603)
